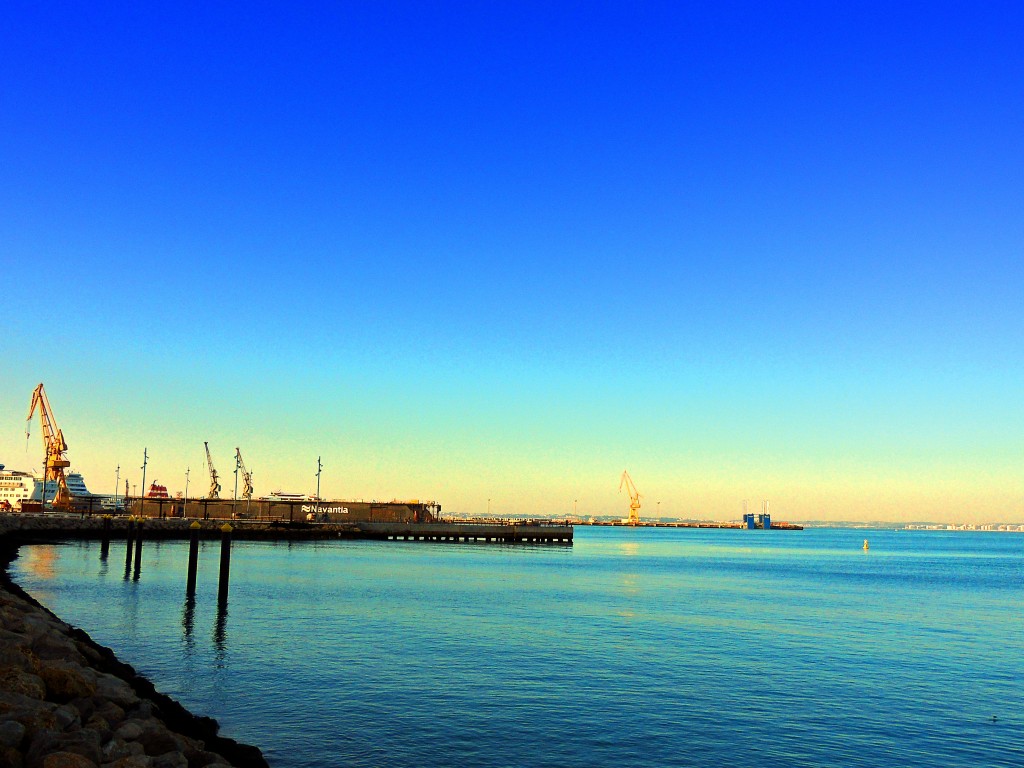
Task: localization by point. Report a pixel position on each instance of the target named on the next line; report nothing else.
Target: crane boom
(634, 497)
(214, 482)
(246, 475)
(56, 447)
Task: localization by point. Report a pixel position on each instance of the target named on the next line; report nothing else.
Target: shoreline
(67, 701)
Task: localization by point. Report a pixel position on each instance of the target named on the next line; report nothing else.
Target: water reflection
(130, 616)
(128, 558)
(138, 560)
(41, 561)
(630, 580)
(220, 632)
(188, 619)
(630, 548)
(631, 584)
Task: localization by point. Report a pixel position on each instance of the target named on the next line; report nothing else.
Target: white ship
(287, 496)
(18, 487)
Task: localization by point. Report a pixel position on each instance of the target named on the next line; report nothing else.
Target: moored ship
(287, 496)
(16, 488)
(24, 491)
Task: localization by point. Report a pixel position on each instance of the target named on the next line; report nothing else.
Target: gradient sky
(505, 250)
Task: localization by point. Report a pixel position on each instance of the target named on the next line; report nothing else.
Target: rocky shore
(68, 702)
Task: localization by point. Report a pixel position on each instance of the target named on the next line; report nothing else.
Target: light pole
(574, 507)
(117, 482)
(488, 507)
(145, 461)
(316, 504)
(319, 469)
(234, 498)
(184, 507)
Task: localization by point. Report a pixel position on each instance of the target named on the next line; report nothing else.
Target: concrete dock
(56, 526)
(506, 533)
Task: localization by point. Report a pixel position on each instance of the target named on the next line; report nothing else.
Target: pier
(772, 525)
(507, 533)
(57, 526)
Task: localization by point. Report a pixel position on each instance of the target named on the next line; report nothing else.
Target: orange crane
(634, 497)
(53, 440)
(214, 482)
(246, 475)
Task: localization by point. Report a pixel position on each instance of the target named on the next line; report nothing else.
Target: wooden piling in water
(193, 558)
(105, 541)
(138, 548)
(130, 541)
(225, 562)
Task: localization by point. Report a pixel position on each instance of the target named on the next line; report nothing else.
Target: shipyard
(59, 489)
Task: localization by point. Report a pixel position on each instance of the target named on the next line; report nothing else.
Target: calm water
(631, 648)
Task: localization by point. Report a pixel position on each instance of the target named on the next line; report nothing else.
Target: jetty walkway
(77, 526)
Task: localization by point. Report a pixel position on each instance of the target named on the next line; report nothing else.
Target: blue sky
(506, 250)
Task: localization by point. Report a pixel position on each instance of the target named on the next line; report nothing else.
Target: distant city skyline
(506, 252)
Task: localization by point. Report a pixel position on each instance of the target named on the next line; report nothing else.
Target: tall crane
(53, 441)
(634, 497)
(246, 475)
(214, 482)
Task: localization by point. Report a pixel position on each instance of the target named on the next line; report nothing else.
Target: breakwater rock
(68, 702)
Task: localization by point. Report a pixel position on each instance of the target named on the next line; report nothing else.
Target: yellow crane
(634, 497)
(53, 440)
(246, 475)
(214, 482)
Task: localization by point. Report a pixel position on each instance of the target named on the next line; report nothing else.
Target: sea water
(633, 647)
